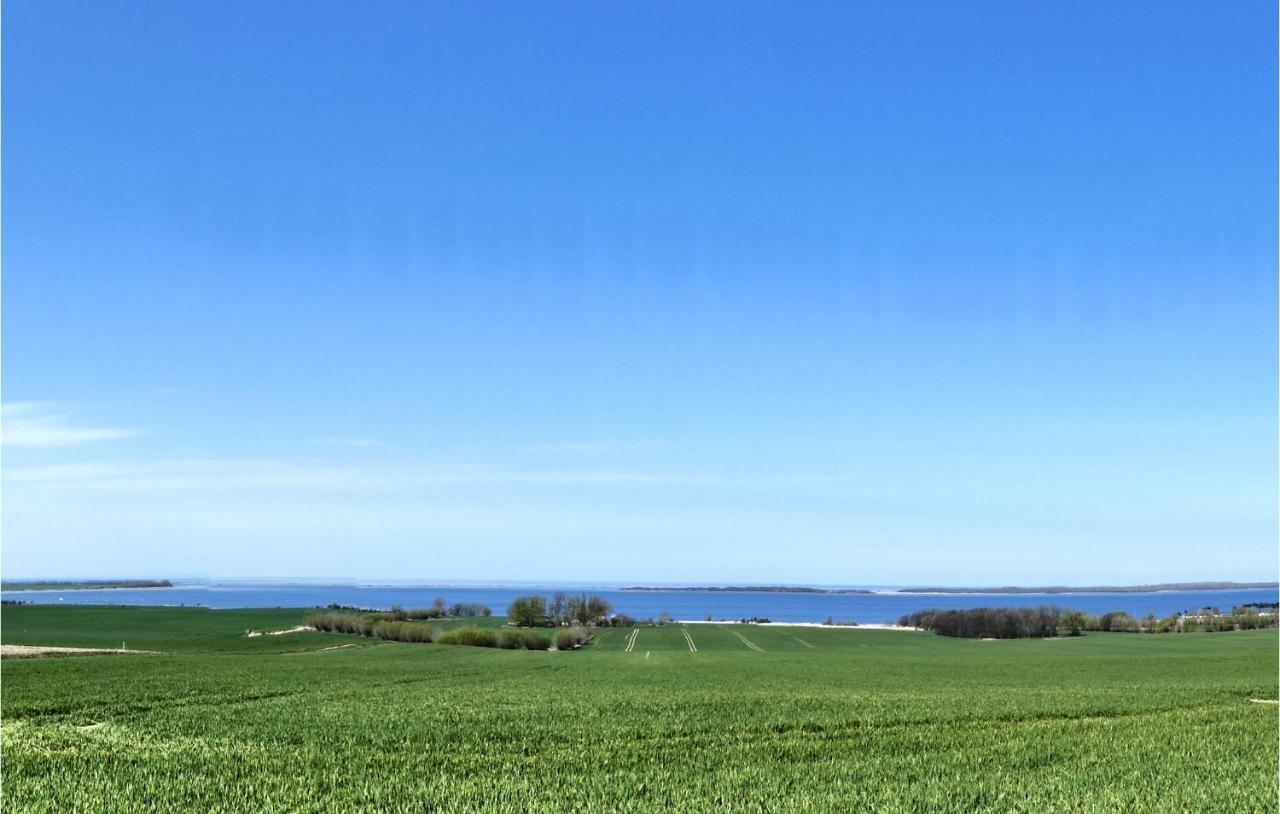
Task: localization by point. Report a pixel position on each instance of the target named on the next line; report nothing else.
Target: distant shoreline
(755, 589)
(1007, 589)
(84, 585)
(1099, 589)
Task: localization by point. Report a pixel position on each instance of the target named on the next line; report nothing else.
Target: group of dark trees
(988, 623)
(561, 611)
(1049, 620)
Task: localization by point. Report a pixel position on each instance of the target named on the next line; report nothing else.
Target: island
(83, 585)
(1099, 589)
(761, 589)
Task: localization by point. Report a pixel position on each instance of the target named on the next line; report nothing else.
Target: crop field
(682, 718)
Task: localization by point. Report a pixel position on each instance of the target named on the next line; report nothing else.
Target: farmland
(683, 717)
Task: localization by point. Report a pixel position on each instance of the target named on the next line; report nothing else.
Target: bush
(572, 638)
(425, 613)
(404, 632)
(471, 636)
(1117, 622)
(338, 622)
(469, 609)
(523, 640)
(368, 624)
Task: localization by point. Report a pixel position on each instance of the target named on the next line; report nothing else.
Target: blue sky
(841, 293)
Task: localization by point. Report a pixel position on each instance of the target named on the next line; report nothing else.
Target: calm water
(781, 607)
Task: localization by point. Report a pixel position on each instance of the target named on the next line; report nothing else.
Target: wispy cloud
(215, 474)
(348, 443)
(588, 447)
(40, 424)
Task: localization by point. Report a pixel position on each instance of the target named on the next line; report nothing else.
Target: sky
(829, 293)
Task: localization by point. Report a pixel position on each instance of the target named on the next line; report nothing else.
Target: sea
(880, 606)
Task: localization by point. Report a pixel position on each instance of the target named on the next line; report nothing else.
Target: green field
(757, 719)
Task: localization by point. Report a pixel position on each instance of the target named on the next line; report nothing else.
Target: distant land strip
(84, 585)
(1098, 589)
(1007, 589)
(765, 589)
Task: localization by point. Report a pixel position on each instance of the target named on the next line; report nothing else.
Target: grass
(813, 720)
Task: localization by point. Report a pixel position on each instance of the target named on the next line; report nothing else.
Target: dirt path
(864, 626)
(299, 629)
(35, 651)
(631, 641)
(322, 649)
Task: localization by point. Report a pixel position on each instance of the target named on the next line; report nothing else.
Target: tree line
(400, 625)
(1050, 620)
(563, 610)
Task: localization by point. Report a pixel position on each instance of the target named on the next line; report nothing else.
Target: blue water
(780, 607)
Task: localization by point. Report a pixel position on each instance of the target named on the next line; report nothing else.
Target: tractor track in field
(693, 648)
(631, 641)
(752, 645)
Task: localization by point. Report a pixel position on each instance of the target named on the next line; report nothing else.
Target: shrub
(368, 624)
(572, 637)
(337, 621)
(1118, 621)
(523, 640)
(468, 609)
(425, 613)
(471, 636)
(403, 632)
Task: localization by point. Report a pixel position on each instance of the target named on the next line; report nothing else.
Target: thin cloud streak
(592, 447)
(214, 474)
(210, 474)
(39, 424)
(349, 443)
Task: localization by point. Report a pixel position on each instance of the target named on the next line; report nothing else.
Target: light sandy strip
(693, 648)
(322, 649)
(748, 642)
(867, 626)
(28, 651)
(298, 629)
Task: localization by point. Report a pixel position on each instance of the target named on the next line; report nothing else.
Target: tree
(438, 604)
(1074, 621)
(575, 610)
(527, 611)
(598, 609)
(557, 606)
